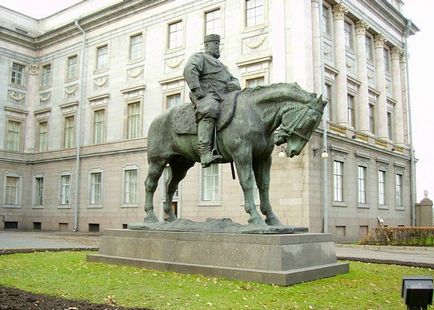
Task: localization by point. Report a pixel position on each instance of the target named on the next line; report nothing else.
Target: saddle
(184, 120)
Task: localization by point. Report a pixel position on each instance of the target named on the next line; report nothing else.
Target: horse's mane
(278, 92)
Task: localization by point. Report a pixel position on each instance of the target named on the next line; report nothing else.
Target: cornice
(16, 38)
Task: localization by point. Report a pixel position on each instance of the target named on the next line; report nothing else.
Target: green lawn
(67, 274)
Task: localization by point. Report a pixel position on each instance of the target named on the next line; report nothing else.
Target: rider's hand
(233, 86)
(199, 93)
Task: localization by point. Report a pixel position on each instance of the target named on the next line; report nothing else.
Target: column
(362, 76)
(341, 64)
(277, 40)
(404, 99)
(381, 107)
(398, 113)
(316, 47)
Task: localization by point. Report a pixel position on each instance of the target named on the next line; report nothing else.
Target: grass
(67, 274)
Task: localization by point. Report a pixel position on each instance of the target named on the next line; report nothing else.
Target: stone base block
(276, 259)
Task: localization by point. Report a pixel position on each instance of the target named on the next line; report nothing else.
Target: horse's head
(298, 124)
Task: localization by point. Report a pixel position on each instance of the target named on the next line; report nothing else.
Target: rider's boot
(205, 130)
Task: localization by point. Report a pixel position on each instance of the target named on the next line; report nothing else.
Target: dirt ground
(15, 299)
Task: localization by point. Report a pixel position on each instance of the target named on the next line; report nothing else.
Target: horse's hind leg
(154, 173)
(261, 168)
(179, 167)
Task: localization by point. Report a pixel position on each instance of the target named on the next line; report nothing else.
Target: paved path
(400, 255)
(17, 241)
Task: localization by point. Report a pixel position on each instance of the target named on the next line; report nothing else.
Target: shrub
(421, 236)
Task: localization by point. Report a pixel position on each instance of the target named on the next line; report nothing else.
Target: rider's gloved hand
(232, 86)
(199, 93)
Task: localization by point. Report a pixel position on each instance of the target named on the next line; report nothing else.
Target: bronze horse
(248, 141)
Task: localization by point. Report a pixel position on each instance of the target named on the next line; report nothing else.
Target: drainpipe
(81, 87)
(324, 153)
(410, 131)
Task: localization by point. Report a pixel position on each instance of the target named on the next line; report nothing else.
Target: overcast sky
(421, 66)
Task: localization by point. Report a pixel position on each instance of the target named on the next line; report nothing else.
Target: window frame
(216, 199)
(382, 188)
(68, 76)
(399, 200)
(18, 145)
(127, 119)
(349, 37)
(141, 52)
(18, 191)
(181, 38)
(35, 204)
(103, 126)
(258, 24)
(38, 138)
(218, 21)
(362, 182)
(126, 204)
(167, 95)
(22, 74)
(92, 194)
(105, 66)
(351, 110)
(46, 79)
(68, 190)
(71, 144)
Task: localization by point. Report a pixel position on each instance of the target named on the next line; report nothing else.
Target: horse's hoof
(171, 218)
(257, 221)
(150, 219)
(273, 221)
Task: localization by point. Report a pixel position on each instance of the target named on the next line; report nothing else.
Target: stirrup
(209, 159)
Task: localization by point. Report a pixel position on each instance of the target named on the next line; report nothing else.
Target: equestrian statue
(225, 124)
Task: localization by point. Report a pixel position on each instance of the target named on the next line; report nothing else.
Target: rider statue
(210, 81)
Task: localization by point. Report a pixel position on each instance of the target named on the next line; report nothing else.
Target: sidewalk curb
(16, 251)
(386, 261)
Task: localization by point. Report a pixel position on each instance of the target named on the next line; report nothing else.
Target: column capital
(396, 52)
(339, 11)
(315, 1)
(361, 27)
(379, 41)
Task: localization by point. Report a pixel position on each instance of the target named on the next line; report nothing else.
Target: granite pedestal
(281, 259)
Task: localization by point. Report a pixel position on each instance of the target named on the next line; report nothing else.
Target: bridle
(301, 116)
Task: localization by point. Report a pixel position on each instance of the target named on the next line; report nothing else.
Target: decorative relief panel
(101, 82)
(135, 74)
(371, 76)
(16, 97)
(389, 89)
(44, 98)
(71, 91)
(174, 64)
(34, 69)
(255, 44)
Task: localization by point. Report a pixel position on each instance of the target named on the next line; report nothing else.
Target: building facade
(79, 89)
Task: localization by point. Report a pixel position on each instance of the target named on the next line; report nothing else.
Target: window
(398, 190)
(372, 118)
(102, 58)
(328, 95)
(13, 140)
(17, 74)
(349, 40)
(259, 81)
(42, 136)
(99, 126)
(133, 121)
(389, 125)
(175, 34)
(130, 186)
(210, 189)
(95, 188)
(381, 187)
(254, 12)
(46, 75)
(351, 111)
(65, 189)
(39, 191)
(69, 132)
(212, 22)
(362, 184)
(12, 191)
(387, 64)
(173, 100)
(136, 47)
(338, 184)
(368, 48)
(72, 68)
(326, 20)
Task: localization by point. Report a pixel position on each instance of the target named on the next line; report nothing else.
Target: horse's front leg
(155, 170)
(261, 168)
(245, 176)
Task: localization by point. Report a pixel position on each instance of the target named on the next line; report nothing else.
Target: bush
(421, 236)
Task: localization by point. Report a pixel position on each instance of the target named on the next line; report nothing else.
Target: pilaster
(362, 76)
(316, 46)
(340, 59)
(397, 94)
(381, 120)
